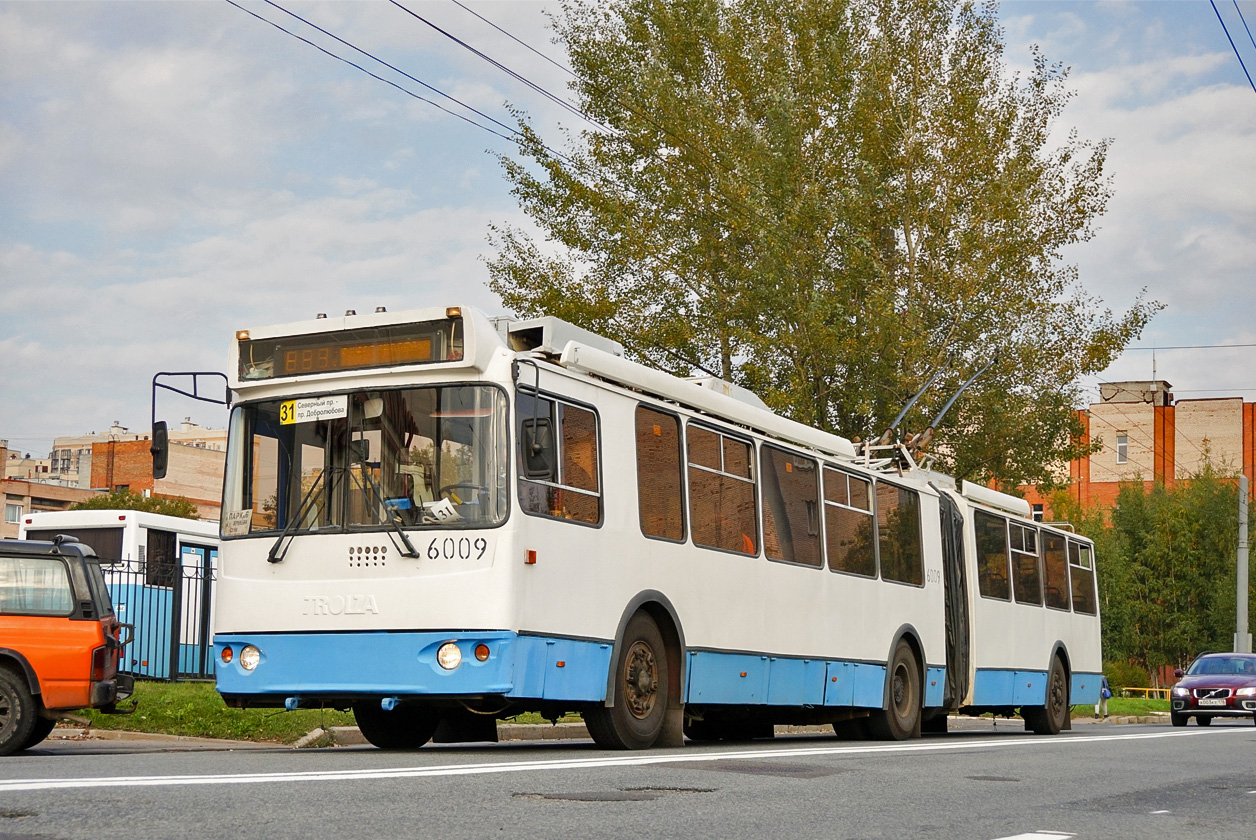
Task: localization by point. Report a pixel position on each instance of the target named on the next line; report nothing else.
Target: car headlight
(249, 657)
(1249, 691)
(1179, 691)
(449, 656)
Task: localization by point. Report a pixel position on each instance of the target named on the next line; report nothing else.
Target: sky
(173, 171)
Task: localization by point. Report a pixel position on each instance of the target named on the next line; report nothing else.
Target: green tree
(126, 500)
(824, 201)
(1166, 568)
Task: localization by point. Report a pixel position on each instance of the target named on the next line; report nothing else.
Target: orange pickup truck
(59, 639)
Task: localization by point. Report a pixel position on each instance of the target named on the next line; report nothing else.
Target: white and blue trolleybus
(438, 519)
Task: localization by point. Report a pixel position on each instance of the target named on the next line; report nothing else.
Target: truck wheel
(42, 729)
(17, 713)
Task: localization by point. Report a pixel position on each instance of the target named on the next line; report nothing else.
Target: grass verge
(195, 709)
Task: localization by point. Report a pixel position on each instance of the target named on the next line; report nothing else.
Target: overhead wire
(518, 41)
(369, 73)
(1234, 46)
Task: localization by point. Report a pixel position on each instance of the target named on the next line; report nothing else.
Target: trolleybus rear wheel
(901, 719)
(641, 687)
(1051, 718)
(403, 728)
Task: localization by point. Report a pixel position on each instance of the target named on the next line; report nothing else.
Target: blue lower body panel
(404, 664)
(746, 679)
(1084, 689)
(1010, 688)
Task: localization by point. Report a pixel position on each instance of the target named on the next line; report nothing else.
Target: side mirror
(538, 449)
(1177, 672)
(160, 449)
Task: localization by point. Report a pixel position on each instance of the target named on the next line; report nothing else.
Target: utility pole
(1242, 637)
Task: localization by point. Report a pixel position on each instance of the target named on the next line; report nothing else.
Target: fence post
(176, 618)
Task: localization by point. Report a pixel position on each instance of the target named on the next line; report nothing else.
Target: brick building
(193, 472)
(1148, 436)
(71, 457)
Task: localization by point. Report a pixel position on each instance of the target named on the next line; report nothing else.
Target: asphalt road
(1134, 781)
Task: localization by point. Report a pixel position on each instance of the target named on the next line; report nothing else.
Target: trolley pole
(1242, 636)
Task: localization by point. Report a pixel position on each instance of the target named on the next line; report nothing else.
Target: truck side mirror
(160, 449)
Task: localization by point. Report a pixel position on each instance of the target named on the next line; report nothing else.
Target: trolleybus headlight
(481, 652)
(249, 657)
(449, 656)
(226, 655)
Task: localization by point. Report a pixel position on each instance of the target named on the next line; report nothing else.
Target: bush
(1125, 675)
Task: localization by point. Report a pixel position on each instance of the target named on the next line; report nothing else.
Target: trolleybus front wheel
(901, 720)
(640, 682)
(403, 728)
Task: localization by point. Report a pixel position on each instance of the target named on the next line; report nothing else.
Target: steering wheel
(448, 488)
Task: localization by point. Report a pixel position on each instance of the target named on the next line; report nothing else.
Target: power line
(1232, 44)
(526, 46)
(556, 99)
(1191, 347)
(386, 64)
(373, 75)
(1237, 9)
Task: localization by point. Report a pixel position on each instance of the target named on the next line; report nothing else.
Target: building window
(1122, 448)
(12, 514)
(1037, 509)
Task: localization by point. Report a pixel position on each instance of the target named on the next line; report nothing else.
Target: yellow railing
(1150, 693)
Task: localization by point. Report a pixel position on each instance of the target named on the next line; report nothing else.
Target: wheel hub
(640, 680)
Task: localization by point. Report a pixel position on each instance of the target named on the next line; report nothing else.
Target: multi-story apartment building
(1146, 435)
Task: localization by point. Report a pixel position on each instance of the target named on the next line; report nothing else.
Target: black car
(1215, 685)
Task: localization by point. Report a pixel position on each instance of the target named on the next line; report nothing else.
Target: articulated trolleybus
(438, 520)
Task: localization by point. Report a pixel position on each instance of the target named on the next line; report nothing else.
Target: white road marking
(1161, 812)
(1039, 835)
(631, 760)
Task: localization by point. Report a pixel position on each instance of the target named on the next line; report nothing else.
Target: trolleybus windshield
(368, 460)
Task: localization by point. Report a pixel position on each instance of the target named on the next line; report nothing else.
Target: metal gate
(170, 602)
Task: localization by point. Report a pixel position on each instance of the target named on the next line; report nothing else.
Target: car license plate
(1212, 701)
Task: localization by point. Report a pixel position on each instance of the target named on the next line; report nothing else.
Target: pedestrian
(1104, 693)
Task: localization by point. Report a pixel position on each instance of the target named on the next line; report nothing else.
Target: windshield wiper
(410, 551)
(278, 550)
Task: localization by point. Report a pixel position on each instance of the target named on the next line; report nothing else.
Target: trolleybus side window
(1082, 571)
(1026, 579)
(721, 491)
(992, 574)
(660, 494)
(898, 535)
(558, 453)
(848, 525)
(1055, 566)
(791, 516)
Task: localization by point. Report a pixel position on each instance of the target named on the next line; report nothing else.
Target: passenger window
(159, 560)
(1055, 567)
(660, 497)
(558, 471)
(791, 516)
(1027, 582)
(849, 534)
(992, 575)
(34, 586)
(721, 492)
(1083, 576)
(898, 533)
